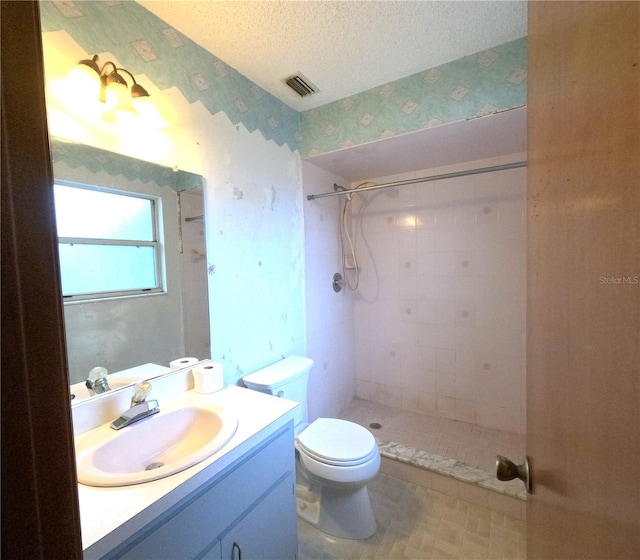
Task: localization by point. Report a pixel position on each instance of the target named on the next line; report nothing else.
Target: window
(108, 242)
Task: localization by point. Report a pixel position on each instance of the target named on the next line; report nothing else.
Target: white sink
(153, 448)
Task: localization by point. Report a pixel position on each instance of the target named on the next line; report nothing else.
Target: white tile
(446, 406)
(425, 287)
(466, 338)
(445, 287)
(464, 262)
(427, 402)
(427, 357)
(406, 219)
(465, 313)
(363, 390)
(447, 274)
(445, 262)
(446, 239)
(425, 218)
(437, 312)
(427, 381)
(393, 396)
(425, 240)
(445, 360)
(440, 336)
(445, 387)
(426, 263)
(465, 215)
(410, 400)
(407, 264)
(487, 213)
(465, 410)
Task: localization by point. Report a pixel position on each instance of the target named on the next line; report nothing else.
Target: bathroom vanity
(238, 503)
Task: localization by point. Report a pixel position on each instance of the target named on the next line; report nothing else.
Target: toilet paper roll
(183, 362)
(208, 378)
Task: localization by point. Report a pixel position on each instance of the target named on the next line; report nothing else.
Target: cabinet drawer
(193, 525)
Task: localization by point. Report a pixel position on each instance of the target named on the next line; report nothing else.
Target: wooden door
(40, 517)
(583, 379)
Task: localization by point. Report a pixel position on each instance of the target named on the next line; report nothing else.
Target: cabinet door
(268, 530)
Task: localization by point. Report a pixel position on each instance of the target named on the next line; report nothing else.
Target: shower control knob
(508, 470)
(338, 282)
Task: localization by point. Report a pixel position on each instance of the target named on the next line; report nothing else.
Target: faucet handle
(97, 382)
(140, 392)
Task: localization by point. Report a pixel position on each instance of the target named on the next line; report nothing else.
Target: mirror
(145, 331)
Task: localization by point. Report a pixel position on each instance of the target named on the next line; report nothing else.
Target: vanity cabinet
(247, 511)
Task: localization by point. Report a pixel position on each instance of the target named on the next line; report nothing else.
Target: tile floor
(468, 443)
(417, 523)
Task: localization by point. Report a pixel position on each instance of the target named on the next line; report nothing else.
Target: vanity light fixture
(108, 85)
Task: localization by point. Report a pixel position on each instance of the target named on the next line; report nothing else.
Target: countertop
(103, 510)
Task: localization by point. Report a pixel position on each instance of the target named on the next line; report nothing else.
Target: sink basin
(81, 393)
(159, 446)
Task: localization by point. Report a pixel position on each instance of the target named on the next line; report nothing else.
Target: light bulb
(147, 109)
(84, 81)
(118, 97)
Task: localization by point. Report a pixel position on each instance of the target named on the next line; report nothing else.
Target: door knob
(508, 470)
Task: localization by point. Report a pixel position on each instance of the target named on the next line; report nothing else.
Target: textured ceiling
(342, 47)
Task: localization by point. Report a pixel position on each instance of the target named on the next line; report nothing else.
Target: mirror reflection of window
(108, 242)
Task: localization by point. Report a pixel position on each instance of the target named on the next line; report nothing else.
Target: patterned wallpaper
(96, 160)
(169, 59)
(476, 85)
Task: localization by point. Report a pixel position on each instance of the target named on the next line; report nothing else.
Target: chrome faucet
(140, 407)
(97, 382)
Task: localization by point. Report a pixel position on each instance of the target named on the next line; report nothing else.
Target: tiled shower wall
(440, 310)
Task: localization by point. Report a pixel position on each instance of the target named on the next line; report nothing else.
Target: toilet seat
(337, 442)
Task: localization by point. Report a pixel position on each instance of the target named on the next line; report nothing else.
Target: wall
(481, 84)
(440, 312)
(241, 139)
(330, 319)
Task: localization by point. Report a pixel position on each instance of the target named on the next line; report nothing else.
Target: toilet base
(339, 512)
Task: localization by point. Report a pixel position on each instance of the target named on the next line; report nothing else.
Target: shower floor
(472, 446)
(468, 443)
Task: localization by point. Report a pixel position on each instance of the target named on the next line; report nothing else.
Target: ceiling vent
(301, 85)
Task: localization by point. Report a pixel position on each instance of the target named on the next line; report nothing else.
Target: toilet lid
(336, 441)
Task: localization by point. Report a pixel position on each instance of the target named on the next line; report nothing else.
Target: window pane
(102, 215)
(89, 269)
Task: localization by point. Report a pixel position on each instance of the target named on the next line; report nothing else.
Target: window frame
(157, 243)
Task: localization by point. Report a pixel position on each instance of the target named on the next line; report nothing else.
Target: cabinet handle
(235, 547)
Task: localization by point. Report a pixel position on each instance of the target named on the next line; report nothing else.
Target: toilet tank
(288, 379)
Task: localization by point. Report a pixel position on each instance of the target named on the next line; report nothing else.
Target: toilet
(335, 459)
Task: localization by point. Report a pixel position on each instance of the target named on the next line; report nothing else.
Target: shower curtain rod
(422, 179)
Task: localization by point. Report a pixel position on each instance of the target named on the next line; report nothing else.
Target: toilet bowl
(335, 459)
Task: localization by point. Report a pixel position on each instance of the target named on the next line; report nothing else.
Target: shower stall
(433, 305)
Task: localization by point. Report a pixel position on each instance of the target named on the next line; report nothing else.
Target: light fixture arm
(136, 89)
(111, 77)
